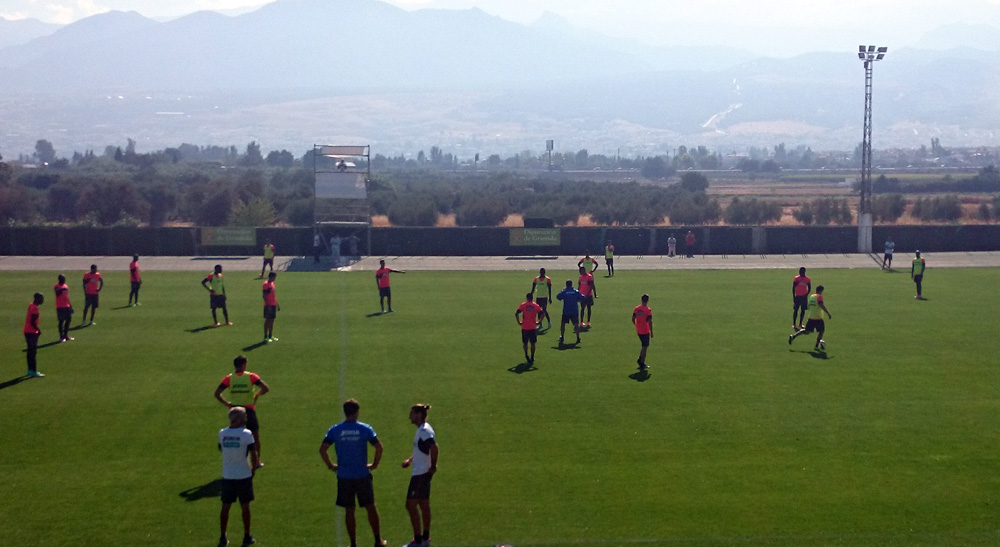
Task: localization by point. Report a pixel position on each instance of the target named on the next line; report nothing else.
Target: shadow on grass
(80, 326)
(819, 354)
(376, 314)
(46, 345)
(252, 347)
(125, 307)
(208, 490)
(521, 368)
(922, 299)
(640, 376)
(14, 382)
(565, 346)
(200, 329)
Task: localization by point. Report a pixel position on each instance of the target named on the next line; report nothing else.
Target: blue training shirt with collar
(571, 300)
(351, 440)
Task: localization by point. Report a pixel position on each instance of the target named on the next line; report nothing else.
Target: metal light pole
(868, 54)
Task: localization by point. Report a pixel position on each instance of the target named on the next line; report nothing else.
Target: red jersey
(31, 327)
(800, 285)
(586, 282)
(382, 275)
(270, 297)
(530, 312)
(62, 296)
(642, 316)
(133, 269)
(92, 282)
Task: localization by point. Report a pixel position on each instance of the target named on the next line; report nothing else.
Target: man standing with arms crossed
(917, 274)
(642, 318)
(529, 325)
(271, 307)
(135, 280)
(241, 385)
(815, 323)
(64, 311)
(236, 443)
(31, 334)
(541, 287)
(424, 462)
(890, 246)
(382, 280)
(92, 285)
(350, 439)
(216, 287)
(268, 257)
(801, 286)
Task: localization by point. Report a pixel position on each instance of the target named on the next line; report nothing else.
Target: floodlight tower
(868, 55)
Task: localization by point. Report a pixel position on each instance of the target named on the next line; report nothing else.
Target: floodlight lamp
(883, 49)
(880, 55)
(861, 49)
(861, 55)
(871, 49)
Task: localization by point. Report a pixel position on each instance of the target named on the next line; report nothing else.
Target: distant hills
(248, 76)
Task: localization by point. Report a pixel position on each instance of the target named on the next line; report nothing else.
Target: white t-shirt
(235, 444)
(422, 443)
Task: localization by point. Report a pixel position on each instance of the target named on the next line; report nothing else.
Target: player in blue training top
(350, 439)
(571, 299)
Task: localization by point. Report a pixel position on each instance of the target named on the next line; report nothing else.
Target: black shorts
(420, 487)
(270, 312)
(217, 300)
(801, 301)
(542, 303)
(237, 489)
(64, 314)
(587, 301)
(575, 319)
(136, 285)
(268, 261)
(349, 489)
(815, 325)
(252, 423)
(887, 256)
(609, 261)
(529, 336)
(92, 300)
(916, 279)
(385, 291)
(644, 340)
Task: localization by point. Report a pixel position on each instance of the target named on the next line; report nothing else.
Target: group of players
(577, 309)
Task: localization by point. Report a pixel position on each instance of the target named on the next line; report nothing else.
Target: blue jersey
(571, 301)
(351, 440)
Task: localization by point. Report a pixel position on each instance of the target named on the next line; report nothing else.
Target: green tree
(481, 211)
(45, 152)
(257, 212)
(253, 157)
(694, 182)
(656, 168)
(421, 211)
(888, 208)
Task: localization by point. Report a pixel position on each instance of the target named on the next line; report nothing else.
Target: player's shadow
(922, 299)
(14, 382)
(46, 345)
(640, 376)
(252, 347)
(200, 329)
(208, 490)
(522, 367)
(814, 353)
(125, 307)
(566, 346)
(376, 314)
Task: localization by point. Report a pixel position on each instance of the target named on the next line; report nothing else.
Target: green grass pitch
(735, 438)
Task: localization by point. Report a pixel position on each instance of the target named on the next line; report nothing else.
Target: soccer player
(268, 257)
(642, 318)
(271, 307)
(609, 258)
(801, 286)
(317, 246)
(382, 280)
(242, 392)
(135, 278)
(671, 246)
(586, 286)
(529, 325)
(216, 287)
(92, 285)
(31, 334)
(588, 262)
(917, 274)
(815, 323)
(571, 299)
(236, 443)
(424, 463)
(64, 311)
(541, 287)
(335, 242)
(890, 246)
(689, 243)
(349, 439)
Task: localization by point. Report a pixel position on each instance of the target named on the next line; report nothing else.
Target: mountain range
(297, 72)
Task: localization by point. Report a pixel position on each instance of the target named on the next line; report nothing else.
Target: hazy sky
(770, 26)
